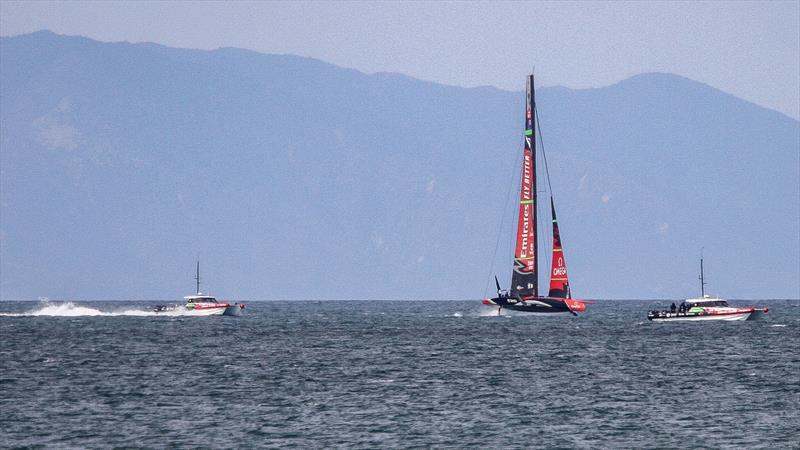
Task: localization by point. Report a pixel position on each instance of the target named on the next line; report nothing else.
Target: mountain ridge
(298, 178)
(386, 73)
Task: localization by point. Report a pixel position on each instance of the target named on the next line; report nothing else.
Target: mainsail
(525, 275)
(524, 292)
(559, 282)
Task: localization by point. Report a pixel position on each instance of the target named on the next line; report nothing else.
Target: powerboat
(705, 308)
(200, 304)
(206, 305)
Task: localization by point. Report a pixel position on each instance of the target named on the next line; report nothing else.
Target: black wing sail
(525, 275)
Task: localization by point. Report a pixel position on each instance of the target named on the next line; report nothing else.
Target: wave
(489, 312)
(70, 309)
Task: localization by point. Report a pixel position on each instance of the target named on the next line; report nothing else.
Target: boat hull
(533, 305)
(542, 314)
(221, 310)
(702, 318)
(216, 311)
(733, 315)
(233, 310)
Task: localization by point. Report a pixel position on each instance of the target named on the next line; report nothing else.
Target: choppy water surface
(395, 374)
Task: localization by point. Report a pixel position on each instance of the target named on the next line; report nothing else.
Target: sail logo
(559, 269)
(525, 257)
(526, 176)
(526, 232)
(523, 267)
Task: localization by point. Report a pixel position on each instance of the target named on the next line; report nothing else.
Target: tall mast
(525, 276)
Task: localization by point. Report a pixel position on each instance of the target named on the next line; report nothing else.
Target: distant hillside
(292, 178)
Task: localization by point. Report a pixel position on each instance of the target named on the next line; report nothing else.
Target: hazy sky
(749, 49)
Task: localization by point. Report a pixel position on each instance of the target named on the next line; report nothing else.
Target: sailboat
(524, 292)
(200, 304)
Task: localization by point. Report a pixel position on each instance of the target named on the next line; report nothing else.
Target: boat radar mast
(702, 279)
(197, 276)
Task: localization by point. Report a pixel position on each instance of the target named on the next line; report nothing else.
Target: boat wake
(489, 312)
(70, 309)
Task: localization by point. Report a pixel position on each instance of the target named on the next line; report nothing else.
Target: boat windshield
(201, 299)
(707, 304)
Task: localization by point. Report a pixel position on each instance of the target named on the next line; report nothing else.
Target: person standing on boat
(672, 308)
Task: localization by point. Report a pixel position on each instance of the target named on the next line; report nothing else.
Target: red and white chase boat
(201, 304)
(206, 305)
(705, 308)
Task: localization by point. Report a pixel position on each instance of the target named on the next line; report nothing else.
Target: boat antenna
(197, 276)
(702, 280)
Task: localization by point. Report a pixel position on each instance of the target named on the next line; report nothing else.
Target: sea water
(392, 374)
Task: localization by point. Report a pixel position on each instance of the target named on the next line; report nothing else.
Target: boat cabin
(705, 302)
(200, 298)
